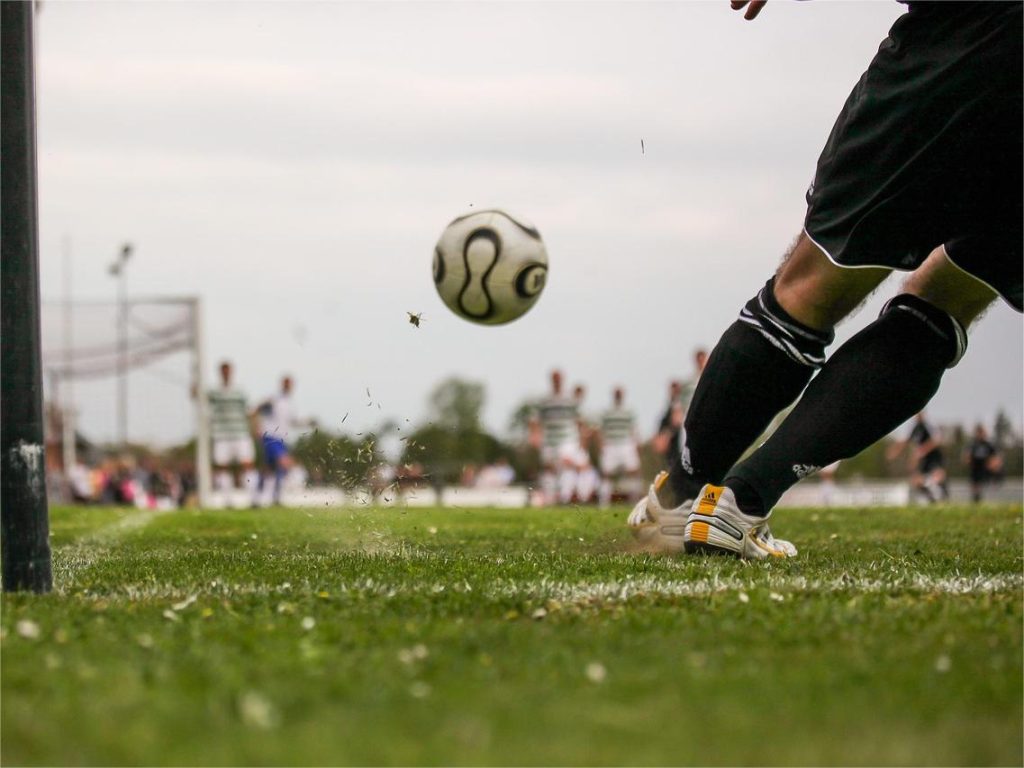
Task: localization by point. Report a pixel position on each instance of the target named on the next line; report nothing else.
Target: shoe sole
(708, 534)
(659, 539)
(700, 548)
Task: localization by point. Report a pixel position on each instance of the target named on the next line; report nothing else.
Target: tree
(453, 437)
(336, 458)
(1002, 434)
(456, 404)
(519, 421)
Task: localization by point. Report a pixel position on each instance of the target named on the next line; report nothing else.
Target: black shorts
(930, 462)
(927, 151)
(980, 474)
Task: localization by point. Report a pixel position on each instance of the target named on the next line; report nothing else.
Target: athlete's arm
(753, 7)
(895, 449)
(677, 417)
(534, 432)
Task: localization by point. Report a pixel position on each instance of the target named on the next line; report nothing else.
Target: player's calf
(759, 366)
(872, 384)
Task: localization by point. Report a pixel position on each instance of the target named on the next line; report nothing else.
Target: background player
(231, 438)
(554, 431)
(667, 441)
(922, 172)
(983, 461)
(928, 468)
(277, 426)
(663, 438)
(587, 478)
(828, 483)
(620, 454)
(677, 440)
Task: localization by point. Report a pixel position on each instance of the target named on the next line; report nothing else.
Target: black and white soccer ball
(490, 267)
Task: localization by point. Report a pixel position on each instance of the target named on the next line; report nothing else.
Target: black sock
(759, 366)
(872, 384)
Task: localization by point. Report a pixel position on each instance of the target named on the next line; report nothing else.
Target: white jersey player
(554, 430)
(620, 454)
(587, 478)
(278, 427)
(231, 436)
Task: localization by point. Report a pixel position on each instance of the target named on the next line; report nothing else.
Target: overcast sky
(294, 163)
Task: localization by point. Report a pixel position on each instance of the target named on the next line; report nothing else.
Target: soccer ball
(490, 267)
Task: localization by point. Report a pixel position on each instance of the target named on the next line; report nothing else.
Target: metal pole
(203, 474)
(122, 350)
(24, 523)
(67, 392)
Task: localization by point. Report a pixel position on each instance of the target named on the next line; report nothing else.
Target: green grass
(515, 637)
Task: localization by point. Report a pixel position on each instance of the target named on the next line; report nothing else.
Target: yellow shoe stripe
(699, 531)
(709, 500)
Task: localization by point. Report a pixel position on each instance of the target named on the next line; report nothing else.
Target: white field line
(85, 552)
(589, 592)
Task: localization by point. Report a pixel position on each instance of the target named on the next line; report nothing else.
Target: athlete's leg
(549, 486)
(567, 477)
(919, 484)
(587, 481)
(763, 361)
(938, 480)
(222, 478)
(250, 479)
(871, 385)
(282, 467)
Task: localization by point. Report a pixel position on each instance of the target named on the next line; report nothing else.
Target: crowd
(150, 482)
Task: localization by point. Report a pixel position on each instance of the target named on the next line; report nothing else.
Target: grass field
(369, 636)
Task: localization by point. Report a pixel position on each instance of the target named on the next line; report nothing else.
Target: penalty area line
(618, 591)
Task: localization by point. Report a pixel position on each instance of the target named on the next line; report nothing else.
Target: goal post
(204, 482)
(156, 329)
(24, 521)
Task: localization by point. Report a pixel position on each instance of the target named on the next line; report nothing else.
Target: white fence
(807, 494)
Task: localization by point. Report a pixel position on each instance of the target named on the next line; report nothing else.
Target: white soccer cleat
(716, 525)
(656, 529)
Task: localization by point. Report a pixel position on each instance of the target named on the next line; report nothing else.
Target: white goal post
(105, 339)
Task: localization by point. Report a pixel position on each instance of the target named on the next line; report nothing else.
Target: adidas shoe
(656, 529)
(717, 525)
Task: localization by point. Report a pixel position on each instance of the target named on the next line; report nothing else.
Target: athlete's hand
(753, 7)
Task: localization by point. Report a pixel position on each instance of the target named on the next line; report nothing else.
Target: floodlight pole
(24, 523)
(67, 400)
(203, 473)
(119, 270)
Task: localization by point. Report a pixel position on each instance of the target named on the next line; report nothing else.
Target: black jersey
(921, 434)
(980, 453)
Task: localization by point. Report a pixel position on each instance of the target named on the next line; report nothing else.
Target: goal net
(119, 373)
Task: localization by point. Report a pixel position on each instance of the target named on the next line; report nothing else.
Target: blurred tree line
(452, 438)
(872, 462)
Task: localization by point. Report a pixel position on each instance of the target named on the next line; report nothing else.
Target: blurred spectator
(497, 475)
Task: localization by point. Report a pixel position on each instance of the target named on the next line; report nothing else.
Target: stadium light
(118, 270)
